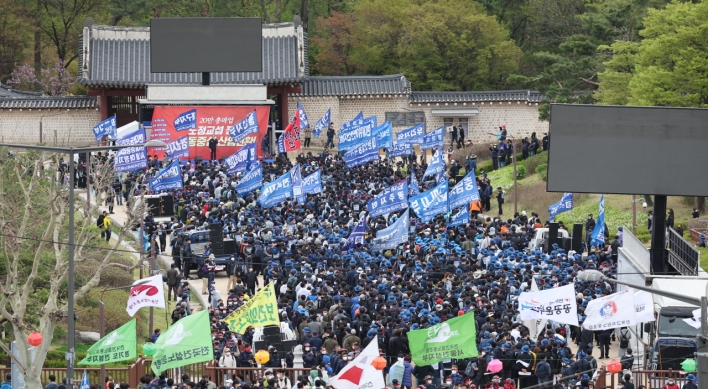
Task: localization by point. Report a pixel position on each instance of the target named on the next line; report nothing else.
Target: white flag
(360, 373)
(644, 306)
(146, 292)
(557, 304)
(536, 326)
(613, 311)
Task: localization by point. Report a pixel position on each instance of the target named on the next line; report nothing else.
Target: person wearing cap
(690, 382)
(543, 371)
(227, 361)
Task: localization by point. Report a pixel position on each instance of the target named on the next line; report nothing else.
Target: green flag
(119, 345)
(452, 339)
(185, 342)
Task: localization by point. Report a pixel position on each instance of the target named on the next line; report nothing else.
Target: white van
(542, 235)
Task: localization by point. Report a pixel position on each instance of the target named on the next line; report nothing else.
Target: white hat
(492, 231)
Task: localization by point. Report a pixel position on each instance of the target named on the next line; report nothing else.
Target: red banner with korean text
(200, 123)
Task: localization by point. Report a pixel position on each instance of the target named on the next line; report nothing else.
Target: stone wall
(73, 128)
(520, 117)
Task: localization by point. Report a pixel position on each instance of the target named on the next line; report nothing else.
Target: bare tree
(62, 24)
(34, 209)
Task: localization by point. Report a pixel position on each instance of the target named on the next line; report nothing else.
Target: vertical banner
(290, 138)
(598, 234)
(296, 176)
(437, 164)
(384, 135)
(131, 158)
(357, 235)
(464, 192)
(565, 204)
(304, 122)
(312, 184)
(322, 124)
(200, 124)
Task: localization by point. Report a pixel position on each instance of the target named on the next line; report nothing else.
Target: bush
(532, 163)
(520, 172)
(542, 170)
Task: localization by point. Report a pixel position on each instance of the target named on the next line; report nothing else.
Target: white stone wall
(520, 117)
(73, 128)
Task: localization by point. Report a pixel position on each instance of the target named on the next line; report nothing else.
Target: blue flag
(413, 135)
(384, 135)
(131, 158)
(353, 136)
(168, 178)
(598, 234)
(433, 139)
(393, 235)
(362, 153)
(251, 181)
(400, 149)
(277, 191)
(322, 124)
(356, 122)
(247, 126)
(239, 161)
(85, 381)
(312, 184)
(464, 192)
(414, 189)
(304, 123)
(433, 202)
(392, 199)
(461, 217)
(178, 148)
(357, 235)
(437, 164)
(441, 177)
(106, 127)
(296, 177)
(186, 120)
(565, 204)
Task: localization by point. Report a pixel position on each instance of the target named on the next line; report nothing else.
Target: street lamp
(701, 339)
(635, 200)
(71, 324)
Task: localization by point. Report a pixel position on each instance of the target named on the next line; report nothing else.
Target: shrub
(532, 163)
(520, 172)
(542, 170)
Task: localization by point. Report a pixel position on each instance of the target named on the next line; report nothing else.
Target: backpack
(203, 271)
(99, 221)
(624, 341)
(469, 370)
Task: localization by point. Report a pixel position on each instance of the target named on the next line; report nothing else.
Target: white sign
(360, 373)
(644, 306)
(147, 292)
(557, 304)
(613, 311)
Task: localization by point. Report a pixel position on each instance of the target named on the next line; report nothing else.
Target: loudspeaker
(271, 330)
(578, 237)
(259, 345)
(198, 160)
(288, 345)
(216, 235)
(272, 339)
(217, 245)
(217, 251)
(230, 248)
(567, 244)
(154, 205)
(553, 236)
(215, 227)
(168, 205)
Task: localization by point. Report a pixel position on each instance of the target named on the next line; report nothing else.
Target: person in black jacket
(524, 362)
(500, 200)
(543, 372)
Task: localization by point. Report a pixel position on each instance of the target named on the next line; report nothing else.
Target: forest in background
(640, 52)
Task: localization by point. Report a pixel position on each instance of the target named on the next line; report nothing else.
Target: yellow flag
(261, 310)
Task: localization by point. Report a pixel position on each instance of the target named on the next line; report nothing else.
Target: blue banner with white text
(362, 153)
(383, 135)
(304, 122)
(413, 135)
(186, 120)
(598, 234)
(296, 177)
(393, 235)
(168, 178)
(464, 192)
(565, 204)
(431, 203)
(355, 135)
(131, 158)
(312, 184)
(240, 160)
(437, 164)
(357, 235)
(106, 127)
(251, 181)
(277, 191)
(392, 199)
(179, 148)
(242, 129)
(434, 139)
(461, 217)
(322, 124)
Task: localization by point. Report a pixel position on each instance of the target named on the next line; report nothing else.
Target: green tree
(619, 70)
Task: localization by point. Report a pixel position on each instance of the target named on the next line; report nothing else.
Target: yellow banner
(259, 311)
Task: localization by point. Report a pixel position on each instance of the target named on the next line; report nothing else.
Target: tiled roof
(395, 84)
(8, 91)
(530, 96)
(54, 102)
(120, 57)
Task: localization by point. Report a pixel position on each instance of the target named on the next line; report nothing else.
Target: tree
(619, 70)
(333, 42)
(61, 22)
(33, 234)
(13, 38)
(56, 81)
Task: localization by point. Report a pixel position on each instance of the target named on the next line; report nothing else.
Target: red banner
(201, 123)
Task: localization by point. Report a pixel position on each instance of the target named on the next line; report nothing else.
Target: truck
(541, 236)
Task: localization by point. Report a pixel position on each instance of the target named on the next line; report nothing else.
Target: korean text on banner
(289, 140)
(613, 311)
(360, 373)
(178, 148)
(312, 184)
(437, 164)
(261, 310)
(464, 192)
(251, 181)
(322, 124)
(413, 135)
(239, 161)
(357, 235)
(168, 178)
(274, 192)
(400, 149)
(242, 129)
(392, 199)
(186, 342)
(557, 304)
(304, 121)
(461, 217)
(186, 120)
(644, 306)
(383, 135)
(352, 137)
(131, 158)
(433, 202)
(597, 237)
(535, 326)
(452, 339)
(296, 177)
(565, 204)
(146, 292)
(119, 345)
(106, 127)
(393, 235)
(414, 188)
(362, 153)
(356, 122)
(433, 139)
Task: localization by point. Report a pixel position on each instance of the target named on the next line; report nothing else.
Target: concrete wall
(520, 117)
(21, 125)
